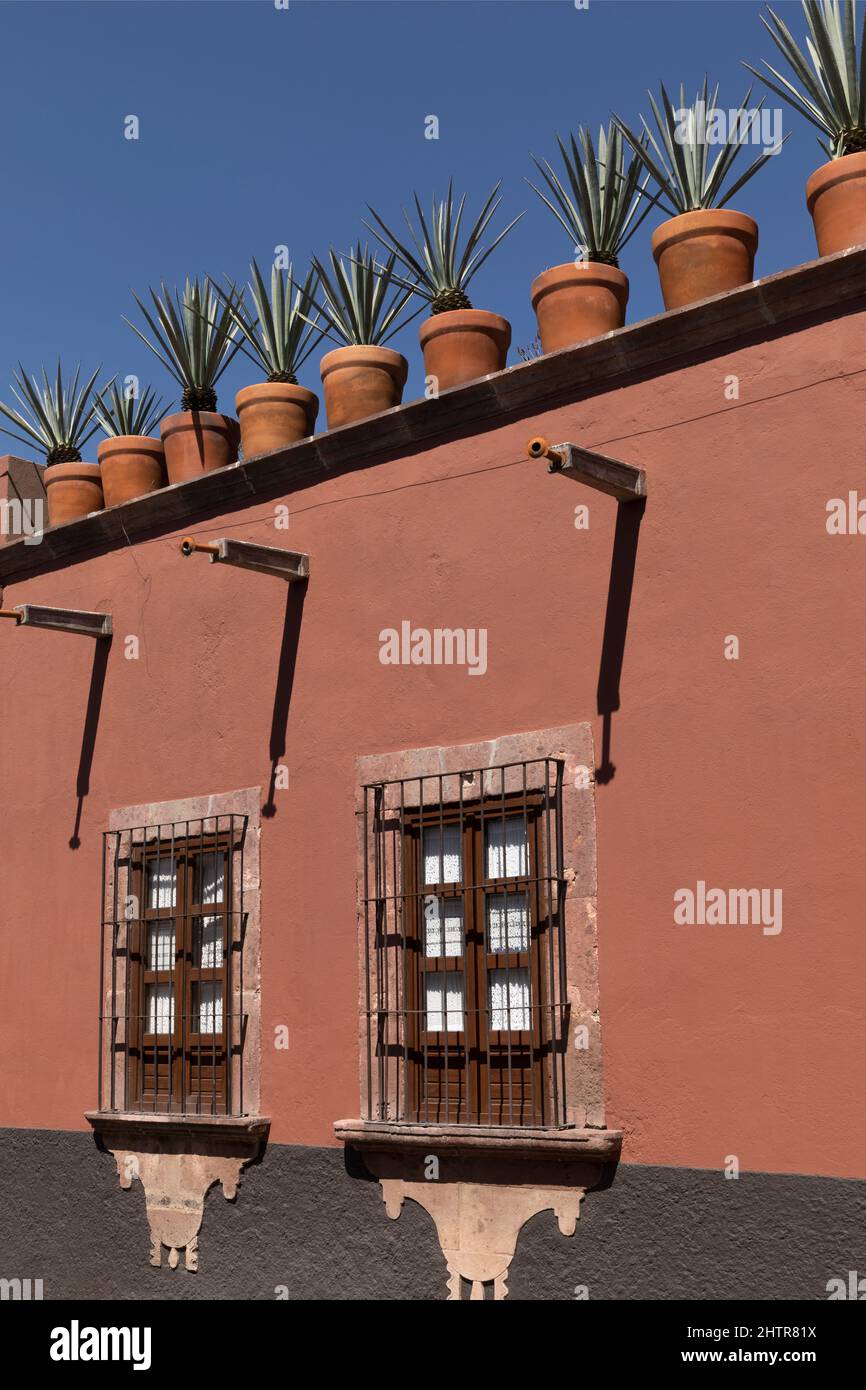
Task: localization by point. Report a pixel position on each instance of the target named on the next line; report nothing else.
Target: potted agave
(131, 459)
(279, 339)
(58, 419)
(459, 343)
(597, 207)
(363, 377)
(195, 338)
(704, 248)
(833, 98)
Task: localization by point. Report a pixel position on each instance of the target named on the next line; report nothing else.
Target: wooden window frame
(465, 1055)
(189, 1072)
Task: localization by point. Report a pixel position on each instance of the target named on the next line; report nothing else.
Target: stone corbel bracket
(177, 1159)
(486, 1184)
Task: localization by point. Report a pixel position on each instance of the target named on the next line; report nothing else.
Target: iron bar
(434, 935)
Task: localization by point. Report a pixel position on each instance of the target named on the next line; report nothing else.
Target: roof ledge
(818, 289)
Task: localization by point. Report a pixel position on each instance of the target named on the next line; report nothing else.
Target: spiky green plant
(354, 305)
(195, 337)
(678, 161)
(440, 267)
(833, 91)
(278, 336)
(58, 418)
(598, 204)
(117, 412)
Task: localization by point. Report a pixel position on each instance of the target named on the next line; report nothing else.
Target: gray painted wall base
(301, 1221)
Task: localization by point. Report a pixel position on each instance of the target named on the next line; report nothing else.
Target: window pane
(208, 954)
(443, 926)
(160, 883)
(507, 922)
(445, 1002)
(507, 847)
(209, 877)
(442, 854)
(509, 1000)
(160, 946)
(159, 1008)
(207, 1006)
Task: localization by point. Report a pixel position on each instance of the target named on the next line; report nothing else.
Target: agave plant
(833, 78)
(440, 269)
(355, 306)
(58, 417)
(678, 161)
(119, 413)
(278, 336)
(598, 208)
(195, 337)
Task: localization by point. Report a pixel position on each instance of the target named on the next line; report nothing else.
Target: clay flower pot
(578, 301)
(361, 381)
(131, 466)
(198, 441)
(464, 344)
(273, 414)
(73, 490)
(836, 199)
(702, 253)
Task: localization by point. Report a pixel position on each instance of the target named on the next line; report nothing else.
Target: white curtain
(442, 854)
(208, 1006)
(160, 883)
(507, 922)
(445, 1002)
(210, 943)
(160, 946)
(507, 847)
(509, 1000)
(443, 926)
(159, 1008)
(210, 873)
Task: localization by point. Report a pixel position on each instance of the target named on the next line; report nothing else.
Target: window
(175, 913)
(464, 969)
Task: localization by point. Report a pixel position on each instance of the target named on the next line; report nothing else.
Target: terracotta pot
(361, 381)
(273, 414)
(702, 253)
(464, 344)
(198, 441)
(131, 466)
(836, 198)
(578, 301)
(73, 490)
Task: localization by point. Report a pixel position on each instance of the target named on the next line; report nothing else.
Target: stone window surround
(245, 802)
(179, 1158)
(481, 1184)
(584, 1091)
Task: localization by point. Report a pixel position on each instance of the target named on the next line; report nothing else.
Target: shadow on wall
(88, 738)
(628, 519)
(283, 693)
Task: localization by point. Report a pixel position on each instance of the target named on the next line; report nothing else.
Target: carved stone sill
(177, 1159)
(501, 1141)
(129, 1126)
(481, 1185)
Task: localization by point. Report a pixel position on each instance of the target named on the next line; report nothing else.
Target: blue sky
(261, 127)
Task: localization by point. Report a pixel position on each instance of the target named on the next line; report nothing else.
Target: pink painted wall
(748, 773)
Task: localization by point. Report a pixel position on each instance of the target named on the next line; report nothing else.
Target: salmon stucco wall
(738, 773)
